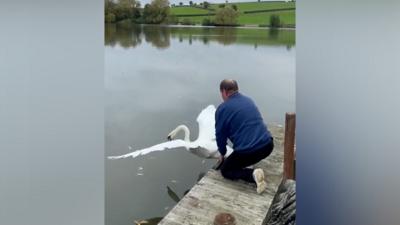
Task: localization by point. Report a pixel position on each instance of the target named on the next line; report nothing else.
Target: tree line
(158, 12)
(130, 10)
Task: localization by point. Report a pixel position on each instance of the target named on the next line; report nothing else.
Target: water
(159, 77)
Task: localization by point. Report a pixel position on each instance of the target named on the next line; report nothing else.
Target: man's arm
(220, 132)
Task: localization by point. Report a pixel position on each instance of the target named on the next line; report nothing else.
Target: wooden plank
(290, 127)
(213, 194)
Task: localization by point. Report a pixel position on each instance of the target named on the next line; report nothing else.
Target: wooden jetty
(214, 195)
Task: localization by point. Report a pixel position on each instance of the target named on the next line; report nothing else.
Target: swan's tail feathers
(154, 148)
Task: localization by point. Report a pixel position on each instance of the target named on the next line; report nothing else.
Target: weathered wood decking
(213, 194)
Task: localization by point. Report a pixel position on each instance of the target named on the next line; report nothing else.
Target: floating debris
(139, 174)
(130, 147)
(140, 168)
(173, 195)
(166, 208)
(202, 162)
(174, 181)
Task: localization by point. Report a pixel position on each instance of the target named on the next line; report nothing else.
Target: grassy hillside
(249, 12)
(187, 10)
(287, 17)
(250, 6)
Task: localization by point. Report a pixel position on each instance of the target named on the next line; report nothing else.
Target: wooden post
(288, 157)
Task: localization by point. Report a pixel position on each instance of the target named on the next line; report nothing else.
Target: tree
(234, 7)
(226, 16)
(172, 19)
(126, 9)
(109, 6)
(187, 21)
(180, 3)
(190, 3)
(274, 21)
(110, 18)
(156, 12)
(207, 22)
(109, 11)
(221, 5)
(206, 5)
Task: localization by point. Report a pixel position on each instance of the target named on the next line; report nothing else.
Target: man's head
(227, 87)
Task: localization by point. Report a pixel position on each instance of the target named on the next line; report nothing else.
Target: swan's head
(179, 128)
(172, 135)
(169, 137)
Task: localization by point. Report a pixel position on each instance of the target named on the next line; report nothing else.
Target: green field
(250, 6)
(187, 10)
(287, 17)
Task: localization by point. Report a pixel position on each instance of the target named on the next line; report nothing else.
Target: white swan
(204, 146)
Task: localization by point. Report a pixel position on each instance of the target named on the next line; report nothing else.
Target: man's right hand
(221, 159)
(219, 163)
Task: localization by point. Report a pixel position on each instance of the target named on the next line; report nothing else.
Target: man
(239, 120)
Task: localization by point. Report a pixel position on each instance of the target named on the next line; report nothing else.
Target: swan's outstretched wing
(206, 121)
(155, 148)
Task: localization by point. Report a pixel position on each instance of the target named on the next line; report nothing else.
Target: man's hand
(221, 159)
(219, 163)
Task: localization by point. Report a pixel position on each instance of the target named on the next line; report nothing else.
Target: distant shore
(199, 26)
(257, 14)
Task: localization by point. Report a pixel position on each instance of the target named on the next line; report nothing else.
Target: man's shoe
(258, 175)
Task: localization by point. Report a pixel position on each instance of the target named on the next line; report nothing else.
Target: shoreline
(249, 26)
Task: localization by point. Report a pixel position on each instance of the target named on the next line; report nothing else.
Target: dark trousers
(234, 167)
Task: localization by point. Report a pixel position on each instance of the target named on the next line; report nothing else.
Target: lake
(157, 77)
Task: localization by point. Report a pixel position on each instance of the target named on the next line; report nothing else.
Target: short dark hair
(228, 85)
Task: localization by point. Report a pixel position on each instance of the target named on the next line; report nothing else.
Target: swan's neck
(186, 131)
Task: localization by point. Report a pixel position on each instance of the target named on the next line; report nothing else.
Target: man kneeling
(239, 120)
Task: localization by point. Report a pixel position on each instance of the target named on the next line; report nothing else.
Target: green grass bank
(250, 13)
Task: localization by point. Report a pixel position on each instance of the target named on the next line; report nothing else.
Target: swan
(205, 146)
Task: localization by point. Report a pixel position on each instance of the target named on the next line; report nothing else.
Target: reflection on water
(157, 77)
(131, 35)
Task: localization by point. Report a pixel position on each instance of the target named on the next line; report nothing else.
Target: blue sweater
(239, 120)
